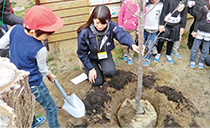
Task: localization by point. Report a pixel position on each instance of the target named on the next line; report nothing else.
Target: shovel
(72, 104)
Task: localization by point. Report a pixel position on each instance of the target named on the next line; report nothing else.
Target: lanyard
(101, 42)
(1, 22)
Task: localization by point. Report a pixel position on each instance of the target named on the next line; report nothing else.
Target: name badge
(102, 55)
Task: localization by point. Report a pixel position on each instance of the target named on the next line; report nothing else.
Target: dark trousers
(103, 67)
(3, 52)
(190, 38)
(169, 46)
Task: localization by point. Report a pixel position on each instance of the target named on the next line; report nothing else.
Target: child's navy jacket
(87, 44)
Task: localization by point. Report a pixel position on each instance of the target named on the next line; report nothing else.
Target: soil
(179, 94)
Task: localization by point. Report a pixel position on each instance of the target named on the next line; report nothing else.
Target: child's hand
(51, 77)
(181, 31)
(194, 34)
(161, 28)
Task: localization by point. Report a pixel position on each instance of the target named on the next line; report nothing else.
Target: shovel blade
(76, 107)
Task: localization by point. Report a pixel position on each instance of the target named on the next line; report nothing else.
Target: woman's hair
(100, 12)
(39, 32)
(150, 2)
(208, 6)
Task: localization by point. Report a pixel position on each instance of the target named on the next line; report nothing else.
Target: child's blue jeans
(195, 48)
(148, 41)
(43, 97)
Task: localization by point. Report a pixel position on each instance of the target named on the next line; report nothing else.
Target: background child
(175, 26)
(201, 33)
(7, 18)
(28, 53)
(151, 25)
(194, 7)
(129, 22)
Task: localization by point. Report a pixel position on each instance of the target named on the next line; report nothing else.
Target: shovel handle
(61, 89)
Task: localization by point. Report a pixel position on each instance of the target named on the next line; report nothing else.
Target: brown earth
(179, 93)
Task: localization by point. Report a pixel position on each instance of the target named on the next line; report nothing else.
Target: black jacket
(202, 22)
(168, 7)
(197, 7)
(9, 18)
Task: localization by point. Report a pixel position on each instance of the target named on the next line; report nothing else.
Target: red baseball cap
(40, 17)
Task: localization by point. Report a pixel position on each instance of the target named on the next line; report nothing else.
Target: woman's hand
(92, 75)
(136, 49)
(51, 77)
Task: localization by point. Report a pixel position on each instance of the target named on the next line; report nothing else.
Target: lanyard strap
(98, 43)
(1, 21)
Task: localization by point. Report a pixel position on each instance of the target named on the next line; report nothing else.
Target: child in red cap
(28, 53)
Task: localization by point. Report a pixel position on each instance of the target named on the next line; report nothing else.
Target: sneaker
(192, 64)
(157, 57)
(130, 61)
(146, 63)
(200, 65)
(170, 60)
(39, 120)
(125, 57)
(176, 55)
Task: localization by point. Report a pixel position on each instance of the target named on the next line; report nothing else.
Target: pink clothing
(126, 18)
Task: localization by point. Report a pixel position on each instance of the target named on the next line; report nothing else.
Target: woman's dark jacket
(87, 45)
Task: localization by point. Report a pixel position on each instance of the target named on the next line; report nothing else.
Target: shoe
(170, 60)
(39, 120)
(125, 57)
(200, 65)
(146, 63)
(157, 57)
(130, 61)
(176, 55)
(192, 64)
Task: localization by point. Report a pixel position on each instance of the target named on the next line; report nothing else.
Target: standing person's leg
(175, 48)
(100, 78)
(125, 49)
(130, 51)
(44, 98)
(108, 66)
(152, 43)
(168, 51)
(159, 48)
(194, 51)
(204, 54)
(190, 38)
